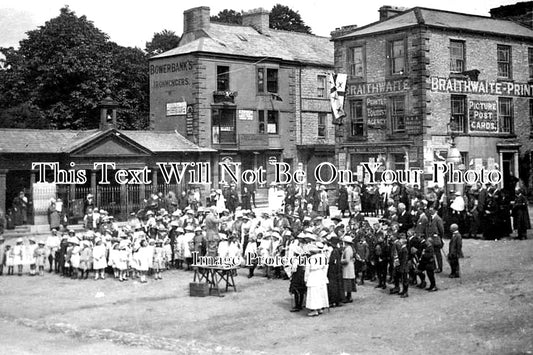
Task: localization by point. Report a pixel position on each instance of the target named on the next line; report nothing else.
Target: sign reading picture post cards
(483, 116)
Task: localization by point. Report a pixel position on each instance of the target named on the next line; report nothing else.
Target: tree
(60, 73)
(162, 41)
(284, 18)
(131, 87)
(281, 18)
(228, 16)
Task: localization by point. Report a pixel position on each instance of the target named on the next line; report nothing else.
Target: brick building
(252, 93)
(423, 78)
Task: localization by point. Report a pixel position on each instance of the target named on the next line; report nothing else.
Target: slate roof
(39, 141)
(163, 141)
(246, 41)
(64, 141)
(443, 19)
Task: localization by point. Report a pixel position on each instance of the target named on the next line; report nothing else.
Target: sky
(133, 23)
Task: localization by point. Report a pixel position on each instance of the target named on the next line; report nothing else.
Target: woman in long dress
(316, 280)
(54, 218)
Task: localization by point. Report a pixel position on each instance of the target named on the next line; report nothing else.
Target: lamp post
(454, 156)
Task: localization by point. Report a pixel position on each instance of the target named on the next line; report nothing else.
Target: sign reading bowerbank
(464, 86)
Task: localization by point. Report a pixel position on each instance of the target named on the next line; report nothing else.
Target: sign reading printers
(483, 116)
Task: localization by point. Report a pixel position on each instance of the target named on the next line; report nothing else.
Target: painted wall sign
(376, 112)
(463, 86)
(173, 67)
(483, 116)
(176, 108)
(379, 87)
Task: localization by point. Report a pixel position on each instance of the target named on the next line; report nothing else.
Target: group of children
(15, 257)
(129, 255)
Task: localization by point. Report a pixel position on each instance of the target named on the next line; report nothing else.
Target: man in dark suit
(456, 251)
(404, 219)
(403, 257)
(312, 198)
(436, 231)
(422, 221)
(482, 198)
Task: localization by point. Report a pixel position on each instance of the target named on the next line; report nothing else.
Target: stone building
(423, 79)
(254, 94)
(45, 164)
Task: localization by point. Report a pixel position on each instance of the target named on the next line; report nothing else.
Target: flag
(337, 82)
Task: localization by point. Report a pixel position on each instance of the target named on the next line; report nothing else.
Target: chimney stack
(257, 18)
(341, 31)
(195, 19)
(387, 11)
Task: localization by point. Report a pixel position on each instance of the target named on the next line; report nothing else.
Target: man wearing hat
(251, 253)
(348, 269)
(52, 243)
(88, 203)
(212, 223)
(435, 229)
(88, 219)
(455, 251)
(297, 286)
(335, 280)
(62, 254)
(312, 198)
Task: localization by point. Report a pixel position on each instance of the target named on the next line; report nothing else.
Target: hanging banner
(337, 82)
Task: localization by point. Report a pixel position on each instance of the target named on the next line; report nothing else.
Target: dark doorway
(17, 181)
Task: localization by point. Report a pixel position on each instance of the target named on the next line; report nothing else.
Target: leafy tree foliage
(281, 18)
(228, 16)
(284, 18)
(162, 42)
(60, 72)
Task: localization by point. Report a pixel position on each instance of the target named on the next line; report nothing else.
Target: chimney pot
(387, 11)
(257, 18)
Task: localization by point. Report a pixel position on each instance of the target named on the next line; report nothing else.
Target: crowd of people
(404, 247)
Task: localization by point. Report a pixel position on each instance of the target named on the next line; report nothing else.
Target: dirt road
(488, 310)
